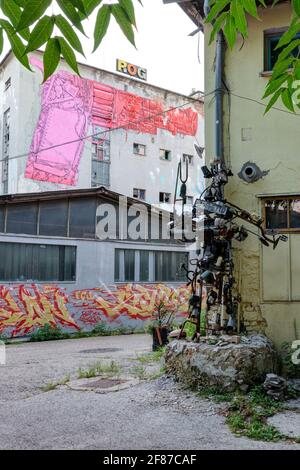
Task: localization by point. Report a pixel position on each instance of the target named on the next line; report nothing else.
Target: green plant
(155, 356)
(53, 385)
(48, 333)
(98, 368)
(3, 338)
(289, 369)
(27, 21)
(139, 372)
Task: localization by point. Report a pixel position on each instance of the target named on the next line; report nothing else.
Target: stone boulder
(225, 365)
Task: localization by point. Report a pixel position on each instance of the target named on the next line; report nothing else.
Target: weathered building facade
(262, 151)
(64, 263)
(100, 129)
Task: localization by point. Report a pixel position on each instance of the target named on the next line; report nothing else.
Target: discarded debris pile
(224, 365)
(275, 386)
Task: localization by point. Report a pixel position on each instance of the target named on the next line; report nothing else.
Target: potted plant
(161, 324)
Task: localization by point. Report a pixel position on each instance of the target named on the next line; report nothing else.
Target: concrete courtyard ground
(152, 414)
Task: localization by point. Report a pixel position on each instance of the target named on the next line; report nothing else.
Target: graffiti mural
(23, 308)
(72, 106)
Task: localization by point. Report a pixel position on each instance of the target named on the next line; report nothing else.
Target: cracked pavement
(154, 414)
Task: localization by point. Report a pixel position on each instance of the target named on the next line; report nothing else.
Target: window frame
(164, 193)
(39, 243)
(269, 34)
(166, 152)
(139, 154)
(289, 229)
(139, 198)
(120, 269)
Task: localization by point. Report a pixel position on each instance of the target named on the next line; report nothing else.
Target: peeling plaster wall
(273, 143)
(148, 172)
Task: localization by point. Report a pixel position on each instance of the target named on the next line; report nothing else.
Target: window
(6, 136)
(139, 149)
(100, 157)
(168, 266)
(82, 218)
(165, 155)
(22, 262)
(22, 218)
(139, 193)
(7, 84)
(165, 197)
(53, 218)
(190, 200)
(282, 213)
(149, 266)
(2, 218)
(271, 39)
(189, 158)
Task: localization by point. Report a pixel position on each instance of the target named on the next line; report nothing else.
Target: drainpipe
(220, 52)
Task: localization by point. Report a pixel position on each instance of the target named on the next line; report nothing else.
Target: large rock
(226, 366)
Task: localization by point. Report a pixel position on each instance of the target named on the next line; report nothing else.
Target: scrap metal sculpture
(213, 267)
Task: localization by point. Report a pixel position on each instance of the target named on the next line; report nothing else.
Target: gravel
(156, 414)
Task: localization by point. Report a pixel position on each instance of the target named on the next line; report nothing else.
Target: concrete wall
(92, 299)
(127, 171)
(274, 146)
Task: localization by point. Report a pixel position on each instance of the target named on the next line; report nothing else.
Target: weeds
(139, 372)
(247, 415)
(156, 356)
(98, 368)
(53, 385)
(48, 333)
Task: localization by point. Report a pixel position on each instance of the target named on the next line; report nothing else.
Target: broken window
(165, 155)
(282, 213)
(189, 158)
(139, 193)
(139, 149)
(165, 197)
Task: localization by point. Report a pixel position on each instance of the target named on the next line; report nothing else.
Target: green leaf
(287, 99)
(216, 9)
(51, 57)
(17, 46)
(68, 54)
(230, 31)
(296, 7)
(123, 22)
(282, 66)
(68, 33)
(128, 7)
(90, 5)
(287, 37)
(239, 16)
(40, 34)
(101, 26)
(273, 100)
(250, 7)
(13, 12)
(21, 3)
(287, 50)
(273, 85)
(1, 40)
(79, 5)
(217, 25)
(68, 9)
(32, 12)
